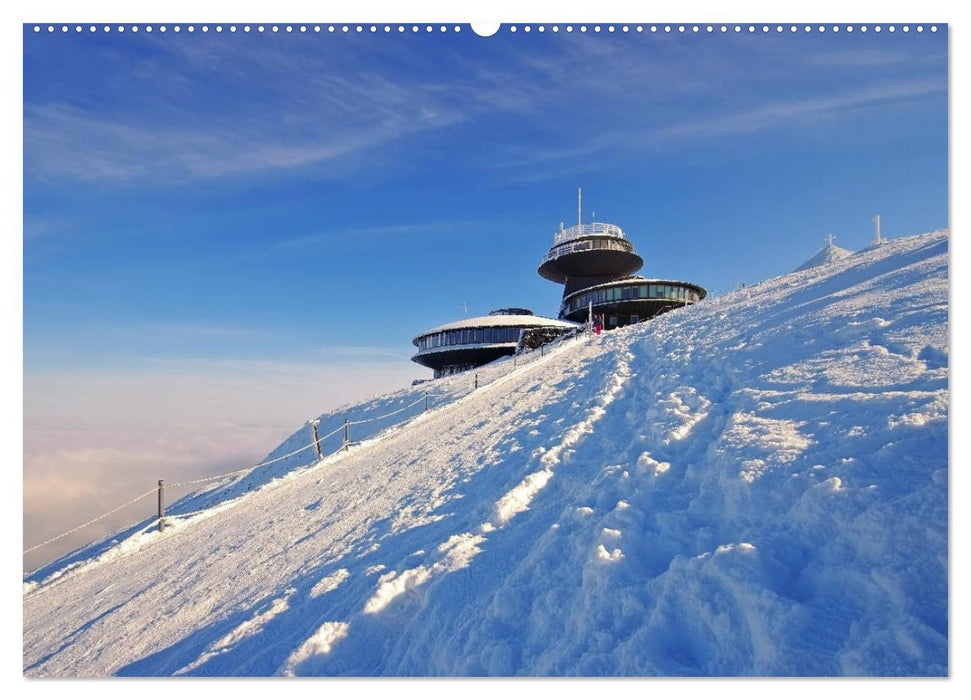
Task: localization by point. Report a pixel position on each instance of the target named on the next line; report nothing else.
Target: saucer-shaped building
(595, 262)
(473, 342)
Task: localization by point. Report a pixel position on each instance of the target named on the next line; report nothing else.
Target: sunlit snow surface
(753, 485)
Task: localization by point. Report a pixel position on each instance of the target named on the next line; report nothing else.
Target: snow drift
(753, 485)
(827, 254)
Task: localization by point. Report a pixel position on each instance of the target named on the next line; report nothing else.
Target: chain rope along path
(92, 521)
(313, 444)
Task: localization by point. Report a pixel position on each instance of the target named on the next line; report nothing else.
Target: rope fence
(315, 443)
(160, 489)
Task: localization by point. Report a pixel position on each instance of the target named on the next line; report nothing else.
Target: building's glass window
(625, 293)
(478, 335)
(613, 320)
(643, 291)
(634, 318)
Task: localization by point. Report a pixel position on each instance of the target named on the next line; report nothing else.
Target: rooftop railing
(594, 229)
(595, 244)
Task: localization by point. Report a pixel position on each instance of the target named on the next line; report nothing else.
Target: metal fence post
(346, 438)
(476, 386)
(426, 401)
(161, 504)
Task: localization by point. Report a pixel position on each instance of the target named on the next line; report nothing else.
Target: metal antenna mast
(580, 208)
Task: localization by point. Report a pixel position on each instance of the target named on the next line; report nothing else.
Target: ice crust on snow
(756, 484)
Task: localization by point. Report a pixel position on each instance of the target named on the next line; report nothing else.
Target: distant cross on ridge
(829, 239)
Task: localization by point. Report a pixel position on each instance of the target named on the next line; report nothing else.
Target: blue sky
(324, 197)
(228, 233)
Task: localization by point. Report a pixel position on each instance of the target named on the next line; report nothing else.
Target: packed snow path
(753, 485)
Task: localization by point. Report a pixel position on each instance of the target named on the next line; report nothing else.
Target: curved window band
(668, 292)
(469, 336)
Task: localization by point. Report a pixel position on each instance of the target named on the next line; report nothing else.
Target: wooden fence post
(161, 504)
(476, 386)
(320, 454)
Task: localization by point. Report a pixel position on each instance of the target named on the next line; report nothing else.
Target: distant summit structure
(825, 255)
(878, 240)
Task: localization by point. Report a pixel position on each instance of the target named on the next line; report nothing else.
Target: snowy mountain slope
(753, 485)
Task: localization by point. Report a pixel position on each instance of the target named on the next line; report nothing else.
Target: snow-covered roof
(514, 321)
(635, 279)
(827, 254)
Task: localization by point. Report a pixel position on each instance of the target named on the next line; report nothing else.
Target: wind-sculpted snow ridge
(755, 485)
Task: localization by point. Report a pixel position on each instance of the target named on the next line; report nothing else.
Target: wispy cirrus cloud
(202, 109)
(601, 149)
(411, 229)
(796, 112)
(61, 141)
(224, 107)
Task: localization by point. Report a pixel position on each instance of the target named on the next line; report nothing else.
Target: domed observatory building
(595, 262)
(473, 342)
